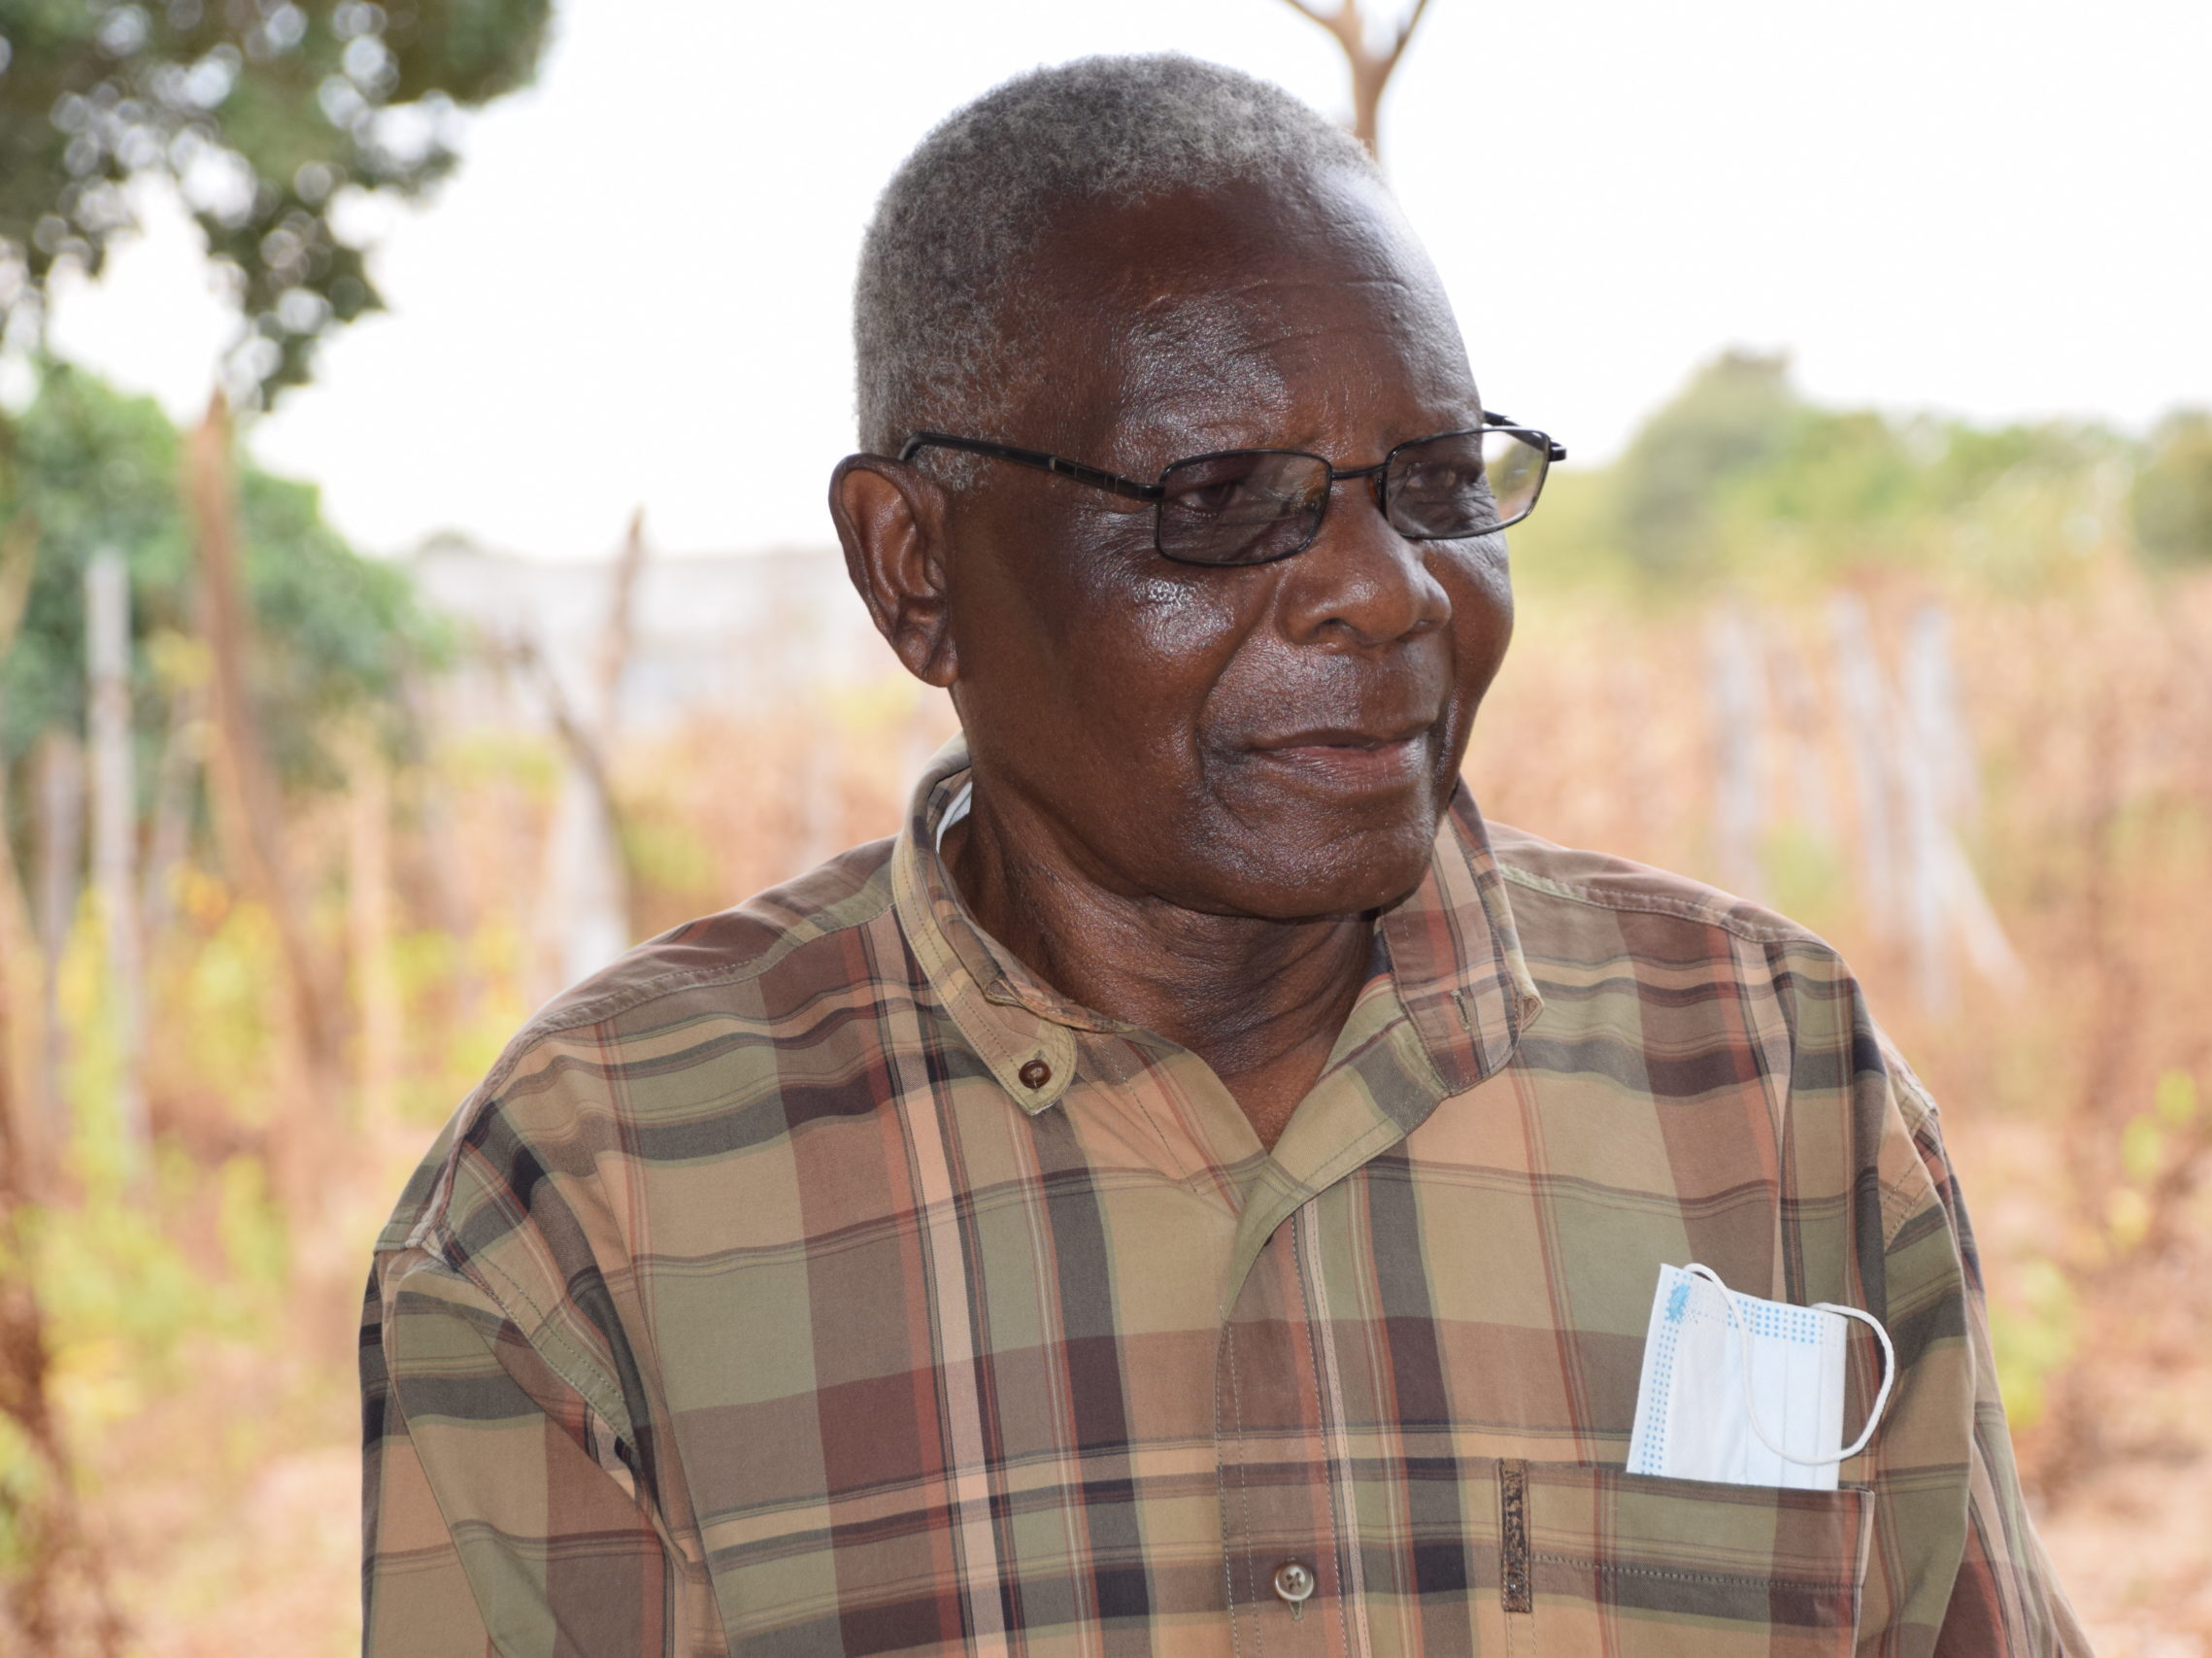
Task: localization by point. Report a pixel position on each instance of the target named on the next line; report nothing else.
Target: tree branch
(1370, 69)
(248, 802)
(1344, 23)
(622, 615)
(1405, 34)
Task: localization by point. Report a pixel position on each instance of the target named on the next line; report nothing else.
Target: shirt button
(1035, 1074)
(1294, 1584)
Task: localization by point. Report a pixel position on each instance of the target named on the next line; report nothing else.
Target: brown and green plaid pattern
(816, 1281)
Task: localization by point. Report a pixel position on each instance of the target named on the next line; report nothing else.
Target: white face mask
(1744, 1391)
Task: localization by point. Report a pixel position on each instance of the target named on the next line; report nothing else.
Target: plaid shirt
(818, 1281)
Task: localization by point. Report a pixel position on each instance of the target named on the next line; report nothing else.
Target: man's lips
(1351, 756)
(1345, 736)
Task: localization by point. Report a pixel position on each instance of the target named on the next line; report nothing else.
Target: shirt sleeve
(2004, 1600)
(501, 1515)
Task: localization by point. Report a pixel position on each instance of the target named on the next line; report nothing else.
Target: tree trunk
(250, 821)
(54, 1598)
(170, 837)
(23, 976)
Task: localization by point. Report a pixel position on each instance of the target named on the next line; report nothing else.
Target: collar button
(1035, 1074)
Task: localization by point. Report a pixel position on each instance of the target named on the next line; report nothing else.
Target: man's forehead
(1242, 306)
(1219, 240)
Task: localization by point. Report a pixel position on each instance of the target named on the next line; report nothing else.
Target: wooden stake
(58, 853)
(114, 838)
(586, 886)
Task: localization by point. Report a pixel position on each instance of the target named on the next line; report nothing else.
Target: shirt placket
(1291, 1576)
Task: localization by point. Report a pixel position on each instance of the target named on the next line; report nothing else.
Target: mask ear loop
(1743, 1329)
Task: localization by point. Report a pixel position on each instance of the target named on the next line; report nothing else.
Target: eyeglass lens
(1252, 506)
(1242, 508)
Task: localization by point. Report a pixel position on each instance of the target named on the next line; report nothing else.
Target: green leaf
(290, 104)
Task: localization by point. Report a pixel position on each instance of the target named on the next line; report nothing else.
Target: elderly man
(1199, 1189)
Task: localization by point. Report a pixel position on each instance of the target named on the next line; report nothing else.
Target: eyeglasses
(1253, 506)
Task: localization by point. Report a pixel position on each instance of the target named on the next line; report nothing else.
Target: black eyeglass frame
(1135, 489)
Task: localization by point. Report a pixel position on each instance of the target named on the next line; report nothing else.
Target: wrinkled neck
(1260, 1001)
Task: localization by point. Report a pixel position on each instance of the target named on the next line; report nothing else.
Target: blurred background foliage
(94, 469)
(266, 116)
(1739, 483)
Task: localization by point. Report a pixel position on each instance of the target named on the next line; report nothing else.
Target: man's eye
(1222, 496)
(1437, 480)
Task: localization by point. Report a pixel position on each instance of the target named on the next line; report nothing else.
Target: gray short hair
(965, 212)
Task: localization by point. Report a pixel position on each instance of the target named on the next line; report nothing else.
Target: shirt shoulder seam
(430, 1220)
(1687, 909)
(630, 997)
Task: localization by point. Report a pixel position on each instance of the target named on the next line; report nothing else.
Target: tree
(313, 639)
(1370, 65)
(1731, 419)
(2173, 494)
(96, 470)
(263, 115)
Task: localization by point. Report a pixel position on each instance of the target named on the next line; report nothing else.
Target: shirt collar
(1452, 955)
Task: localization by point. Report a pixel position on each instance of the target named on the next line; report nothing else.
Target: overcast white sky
(635, 289)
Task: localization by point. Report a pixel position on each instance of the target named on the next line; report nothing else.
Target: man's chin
(1296, 880)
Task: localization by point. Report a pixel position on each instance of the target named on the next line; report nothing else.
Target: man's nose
(1361, 583)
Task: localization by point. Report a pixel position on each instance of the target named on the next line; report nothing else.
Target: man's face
(1277, 740)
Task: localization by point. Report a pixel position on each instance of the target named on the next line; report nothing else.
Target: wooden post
(1737, 680)
(1798, 705)
(1926, 891)
(57, 855)
(1913, 764)
(586, 885)
(1946, 797)
(1866, 716)
(115, 839)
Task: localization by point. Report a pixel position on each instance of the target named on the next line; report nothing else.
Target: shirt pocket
(1592, 1559)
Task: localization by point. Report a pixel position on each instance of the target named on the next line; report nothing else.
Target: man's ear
(892, 518)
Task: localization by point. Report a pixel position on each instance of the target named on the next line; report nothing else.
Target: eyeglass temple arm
(1113, 482)
(1554, 449)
